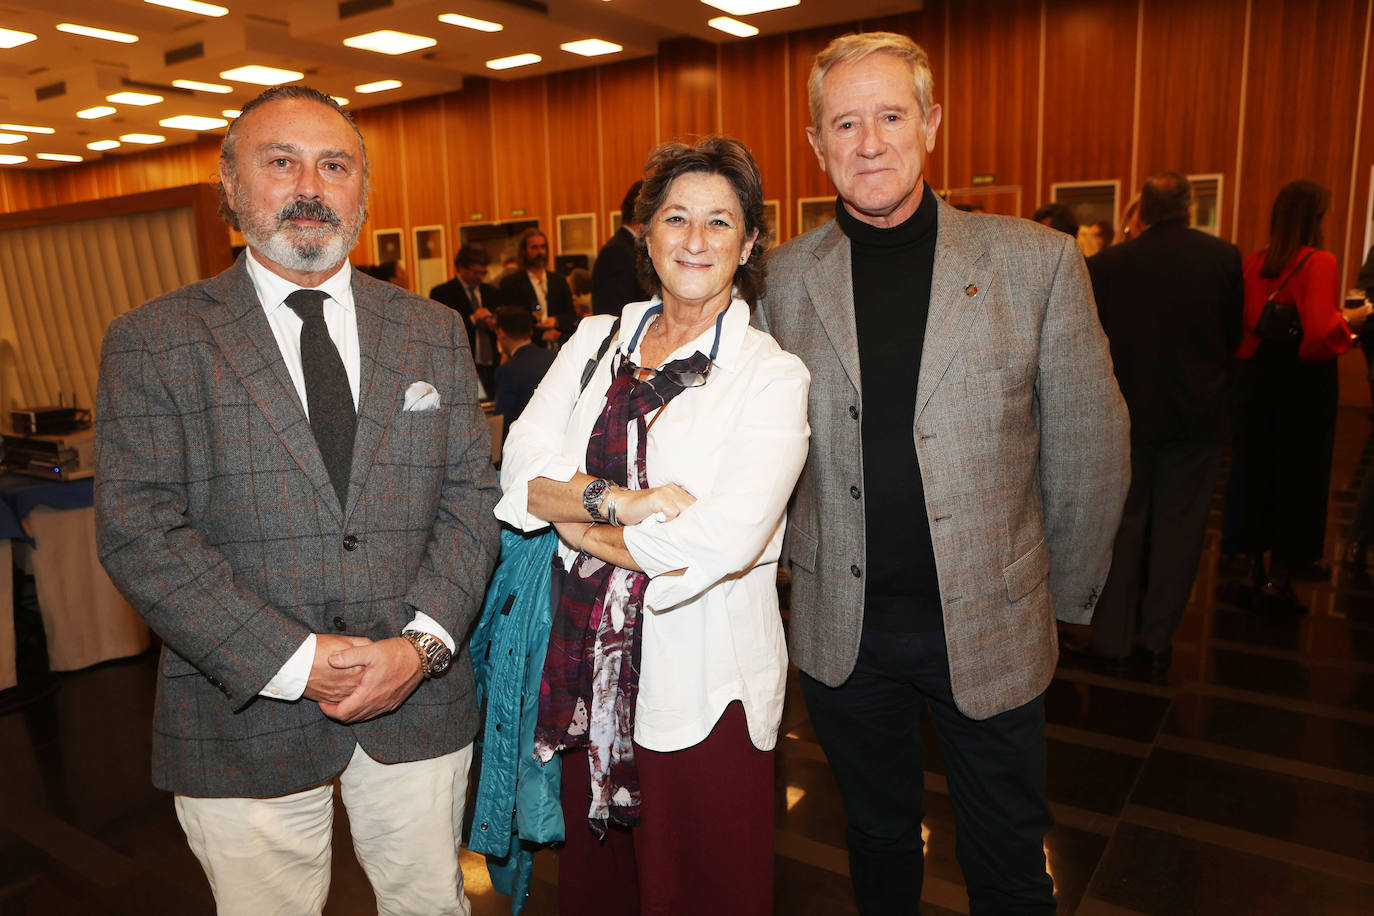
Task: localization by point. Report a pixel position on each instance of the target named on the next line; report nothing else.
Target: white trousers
(272, 855)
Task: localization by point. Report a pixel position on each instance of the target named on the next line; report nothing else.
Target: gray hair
(849, 48)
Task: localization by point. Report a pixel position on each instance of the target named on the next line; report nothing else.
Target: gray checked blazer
(216, 519)
(1022, 437)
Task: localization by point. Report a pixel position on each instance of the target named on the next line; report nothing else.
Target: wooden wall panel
(990, 95)
(1305, 60)
(1189, 110)
(470, 167)
(1090, 48)
(688, 87)
(575, 178)
(520, 145)
(383, 129)
(629, 119)
(753, 81)
(1356, 246)
(807, 178)
(424, 159)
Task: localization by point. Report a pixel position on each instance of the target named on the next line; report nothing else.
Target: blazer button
(853, 412)
(856, 571)
(854, 492)
(340, 625)
(350, 542)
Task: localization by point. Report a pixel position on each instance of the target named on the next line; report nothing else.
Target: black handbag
(1280, 321)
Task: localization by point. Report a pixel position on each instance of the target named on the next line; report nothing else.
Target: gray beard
(298, 249)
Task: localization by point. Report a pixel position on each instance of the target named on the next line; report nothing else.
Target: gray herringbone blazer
(1022, 438)
(217, 520)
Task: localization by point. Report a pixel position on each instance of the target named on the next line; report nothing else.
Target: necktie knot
(307, 303)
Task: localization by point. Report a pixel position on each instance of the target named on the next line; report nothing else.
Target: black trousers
(1158, 546)
(870, 729)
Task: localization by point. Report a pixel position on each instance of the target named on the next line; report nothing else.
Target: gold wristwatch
(435, 657)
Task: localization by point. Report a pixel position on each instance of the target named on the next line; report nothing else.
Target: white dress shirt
(712, 635)
(341, 319)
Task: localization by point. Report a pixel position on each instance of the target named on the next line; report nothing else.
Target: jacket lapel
(382, 342)
(957, 291)
(239, 326)
(830, 286)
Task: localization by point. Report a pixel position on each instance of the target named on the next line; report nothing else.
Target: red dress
(1315, 288)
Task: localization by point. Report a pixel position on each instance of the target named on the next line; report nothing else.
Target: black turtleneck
(892, 273)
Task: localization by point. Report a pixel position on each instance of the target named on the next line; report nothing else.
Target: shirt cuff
(513, 508)
(423, 623)
(290, 680)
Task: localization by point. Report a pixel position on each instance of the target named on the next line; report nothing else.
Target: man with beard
(294, 488)
(543, 292)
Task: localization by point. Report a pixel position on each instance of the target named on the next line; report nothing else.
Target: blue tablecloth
(19, 494)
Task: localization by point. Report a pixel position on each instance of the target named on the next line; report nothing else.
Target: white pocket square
(422, 396)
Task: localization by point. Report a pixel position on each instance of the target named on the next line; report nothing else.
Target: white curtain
(61, 284)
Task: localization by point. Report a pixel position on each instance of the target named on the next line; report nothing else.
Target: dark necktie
(328, 396)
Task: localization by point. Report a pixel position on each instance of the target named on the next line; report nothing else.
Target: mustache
(309, 209)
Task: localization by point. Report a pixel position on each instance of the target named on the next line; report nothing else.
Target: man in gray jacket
(294, 488)
(968, 464)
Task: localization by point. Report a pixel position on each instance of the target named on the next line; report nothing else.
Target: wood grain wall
(1034, 92)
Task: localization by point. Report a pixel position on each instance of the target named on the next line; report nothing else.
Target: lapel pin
(970, 290)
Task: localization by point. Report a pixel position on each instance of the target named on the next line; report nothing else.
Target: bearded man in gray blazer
(294, 488)
(968, 464)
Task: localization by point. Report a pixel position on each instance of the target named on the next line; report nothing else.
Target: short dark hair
(1295, 222)
(515, 322)
(724, 156)
(228, 147)
(525, 237)
(471, 255)
(1166, 195)
(627, 204)
(1060, 217)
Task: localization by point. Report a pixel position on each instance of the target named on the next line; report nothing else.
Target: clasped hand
(634, 506)
(354, 678)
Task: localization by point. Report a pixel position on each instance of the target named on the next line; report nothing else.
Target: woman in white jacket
(667, 477)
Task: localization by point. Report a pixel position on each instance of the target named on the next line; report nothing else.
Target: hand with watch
(609, 504)
(435, 657)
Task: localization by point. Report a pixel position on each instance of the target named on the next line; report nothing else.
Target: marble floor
(1241, 784)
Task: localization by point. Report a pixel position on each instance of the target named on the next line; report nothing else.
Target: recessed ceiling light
(515, 60)
(10, 38)
(134, 98)
(59, 157)
(190, 6)
(388, 41)
(198, 86)
(231, 112)
(749, 7)
(733, 27)
(261, 76)
(591, 47)
(141, 138)
(7, 139)
(90, 32)
(340, 99)
(467, 22)
(98, 111)
(193, 122)
(101, 145)
(379, 86)
(27, 129)
(6, 159)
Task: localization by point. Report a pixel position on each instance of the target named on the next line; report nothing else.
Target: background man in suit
(543, 292)
(309, 568)
(615, 275)
(968, 462)
(1170, 302)
(524, 366)
(477, 301)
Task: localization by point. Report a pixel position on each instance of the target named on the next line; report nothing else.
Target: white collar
(273, 289)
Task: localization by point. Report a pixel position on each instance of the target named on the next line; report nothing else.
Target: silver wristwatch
(592, 496)
(435, 657)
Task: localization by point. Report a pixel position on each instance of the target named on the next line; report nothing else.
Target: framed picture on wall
(388, 245)
(577, 234)
(1091, 202)
(431, 258)
(613, 220)
(1004, 200)
(1206, 208)
(813, 212)
(771, 211)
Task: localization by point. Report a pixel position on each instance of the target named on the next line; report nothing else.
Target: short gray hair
(849, 48)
